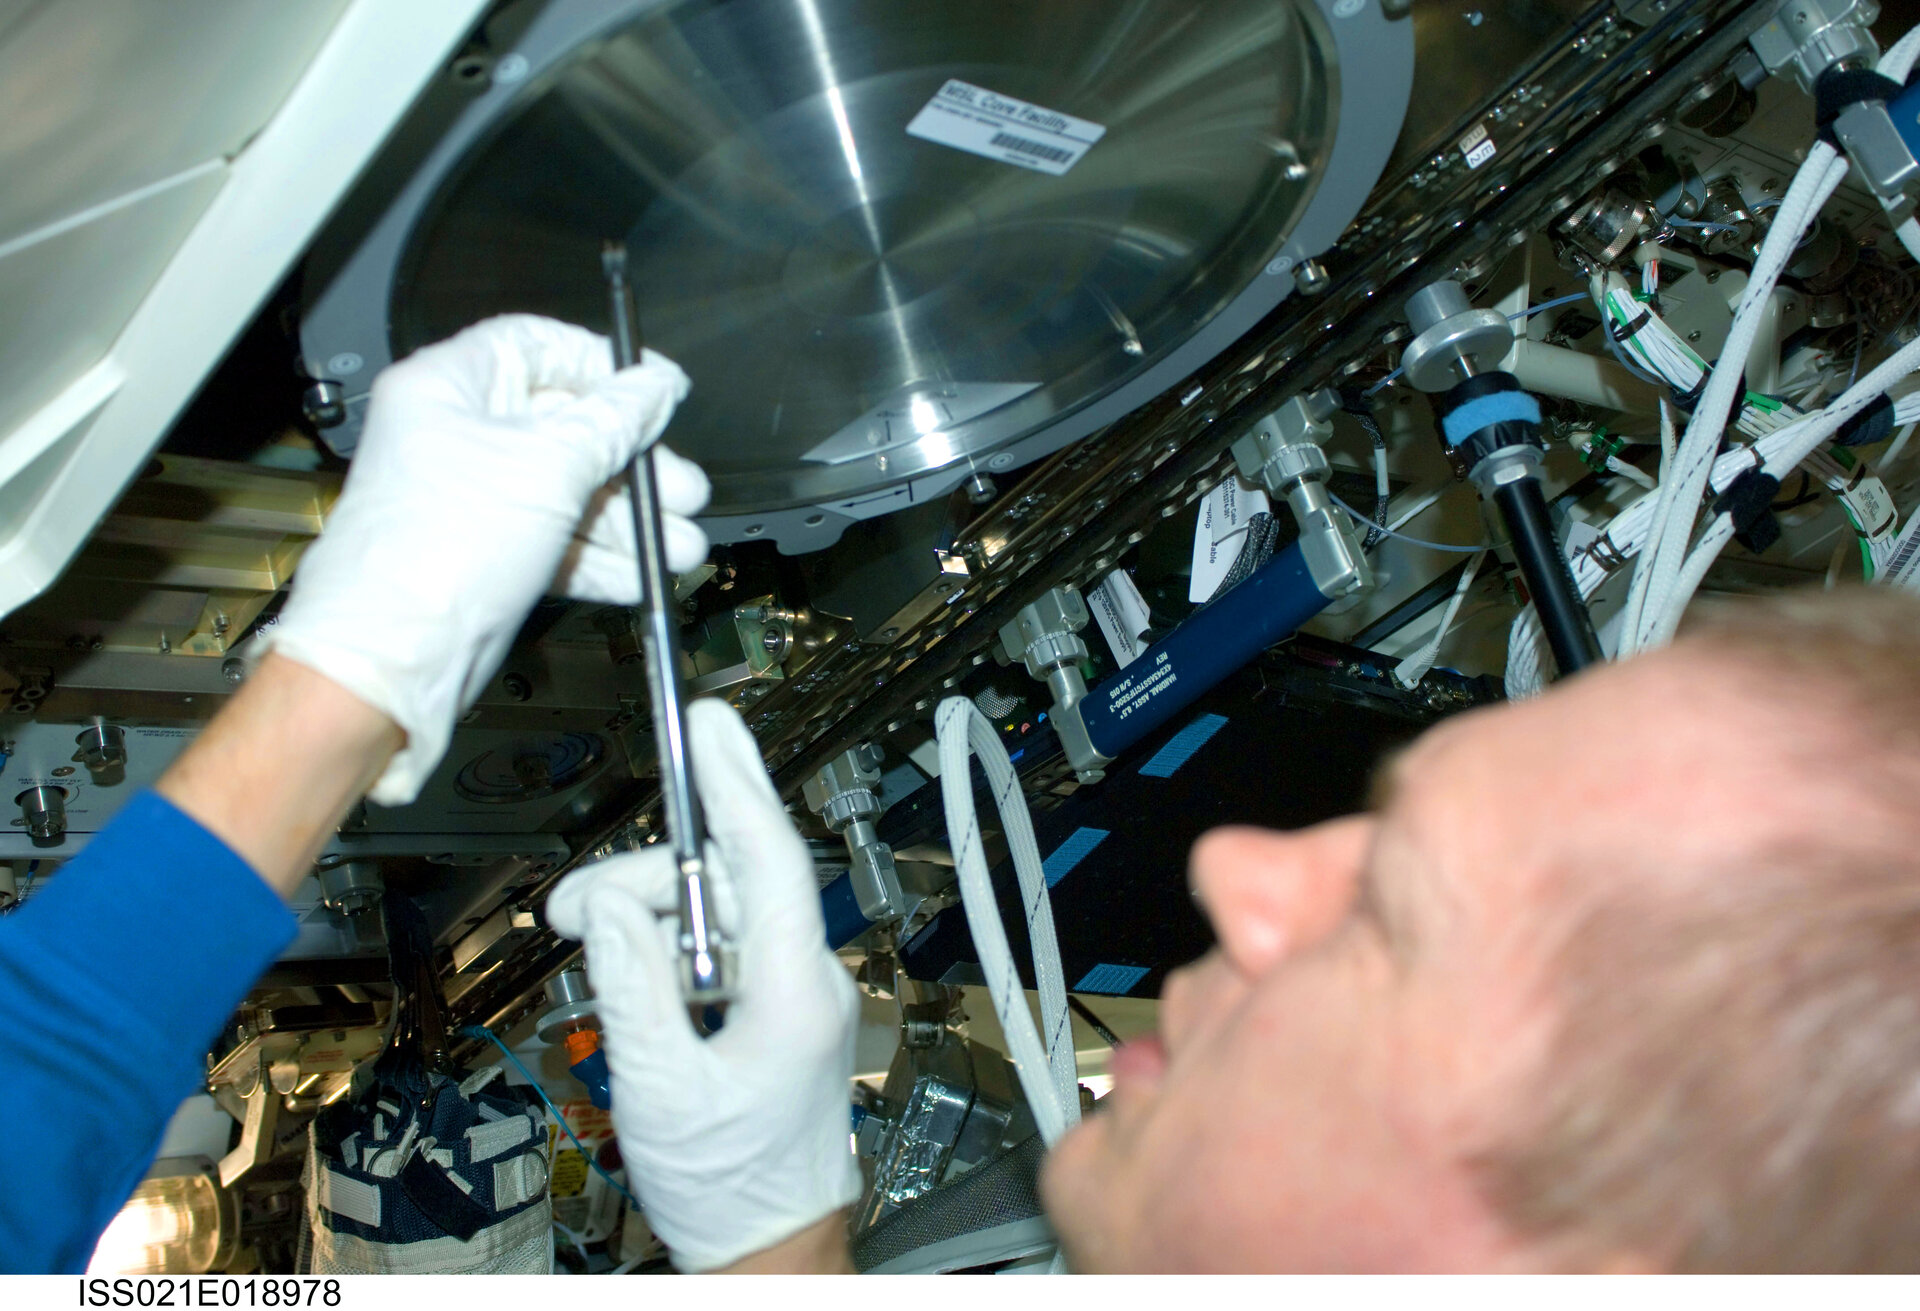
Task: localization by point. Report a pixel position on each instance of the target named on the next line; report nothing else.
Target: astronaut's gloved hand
(486, 477)
(738, 1141)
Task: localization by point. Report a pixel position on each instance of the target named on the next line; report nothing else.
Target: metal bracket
(1808, 37)
(276, 1081)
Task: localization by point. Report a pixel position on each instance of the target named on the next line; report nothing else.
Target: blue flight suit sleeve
(115, 978)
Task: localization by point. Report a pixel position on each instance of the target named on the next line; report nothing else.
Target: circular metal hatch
(891, 242)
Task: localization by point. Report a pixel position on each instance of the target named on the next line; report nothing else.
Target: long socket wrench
(704, 973)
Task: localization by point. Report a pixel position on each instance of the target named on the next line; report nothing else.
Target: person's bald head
(1625, 976)
(1733, 1082)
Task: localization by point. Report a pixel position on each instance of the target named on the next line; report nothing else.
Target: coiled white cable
(1047, 1070)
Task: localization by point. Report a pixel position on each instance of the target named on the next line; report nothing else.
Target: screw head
(345, 365)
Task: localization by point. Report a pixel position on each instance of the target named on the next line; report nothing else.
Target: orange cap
(582, 1043)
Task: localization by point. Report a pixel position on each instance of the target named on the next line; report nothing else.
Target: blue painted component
(1113, 980)
(842, 912)
(1905, 111)
(1070, 853)
(1485, 411)
(594, 1075)
(1195, 657)
(1183, 747)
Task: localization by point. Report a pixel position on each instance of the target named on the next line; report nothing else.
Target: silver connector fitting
(1045, 637)
(1452, 340)
(1283, 454)
(841, 793)
(1805, 38)
(1509, 464)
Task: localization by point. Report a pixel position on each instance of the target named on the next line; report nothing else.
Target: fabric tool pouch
(423, 1171)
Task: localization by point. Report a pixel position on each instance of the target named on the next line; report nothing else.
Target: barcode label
(986, 123)
(1900, 567)
(1033, 148)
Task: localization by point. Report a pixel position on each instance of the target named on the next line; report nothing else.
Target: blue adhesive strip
(1113, 980)
(1183, 747)
(1070, 853)
(1905, 111)
(1485, 411)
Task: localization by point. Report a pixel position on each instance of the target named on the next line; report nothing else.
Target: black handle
(1563, 614)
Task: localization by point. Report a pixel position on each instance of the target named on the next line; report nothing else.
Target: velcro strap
(1750, 503)
(1873, 424)
(1840, 88)
(443, 1198)
(346, 1196)
(1464, 421)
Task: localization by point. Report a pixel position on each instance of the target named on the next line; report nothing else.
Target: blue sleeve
(114, 980)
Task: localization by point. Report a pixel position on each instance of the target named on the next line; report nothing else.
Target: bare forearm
(276, 770)
(819, 1249)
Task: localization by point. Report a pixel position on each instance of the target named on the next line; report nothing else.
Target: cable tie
(1602, 551)
(1687, 400)
(1624, 332)
(1601, 448)
(1690, 400)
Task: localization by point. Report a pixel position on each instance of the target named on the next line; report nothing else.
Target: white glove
(740, 1140)
(481, 483)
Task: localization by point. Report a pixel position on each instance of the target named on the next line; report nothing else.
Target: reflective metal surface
(1585, 95)
(856, 304)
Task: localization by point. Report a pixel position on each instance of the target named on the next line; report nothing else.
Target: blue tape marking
(1113, 980)
(1485, 411)
(1183, 747)
(1070, 853)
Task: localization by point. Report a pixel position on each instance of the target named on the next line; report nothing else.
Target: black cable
(1806, 494)
(1263, 535)
(1107, 1035)
(1563, 615)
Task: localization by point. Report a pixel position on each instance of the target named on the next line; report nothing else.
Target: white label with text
(993, 126)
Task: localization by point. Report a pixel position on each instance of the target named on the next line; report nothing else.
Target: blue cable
(475, 1031)
(1555, 303)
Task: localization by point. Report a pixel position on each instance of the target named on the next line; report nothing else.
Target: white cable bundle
(1659, 565)
(1047, 1071)
(1676, 363)
(1626, 534)
(1654, 600)
(1795, 445)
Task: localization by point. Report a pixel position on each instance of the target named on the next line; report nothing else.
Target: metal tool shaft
(704, 977)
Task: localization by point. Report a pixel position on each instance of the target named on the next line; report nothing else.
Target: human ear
(1270, 894)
